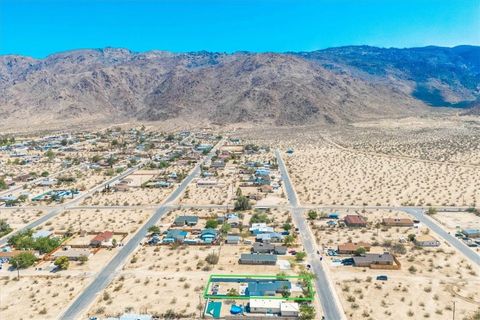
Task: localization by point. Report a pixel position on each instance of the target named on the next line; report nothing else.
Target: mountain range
(334, 85)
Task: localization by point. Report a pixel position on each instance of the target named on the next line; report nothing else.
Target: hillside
(327, 86)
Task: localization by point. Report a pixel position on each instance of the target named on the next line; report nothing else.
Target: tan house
(352, 247)
(426, 240)
(397, 222)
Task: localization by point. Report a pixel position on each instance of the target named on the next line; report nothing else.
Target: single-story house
(174, 235)
(263, 248)
(218, 164)
(355, 221)
(397, 222)
(259, 228)
(233, 239)
(266, 188)
(265, 306)
(102, 239)
(42, 234)
(233, 220)
(208, 235)
(426, 240)
(368, 259)
(352, 247)
(12, 253)
(263, 259)
(274, 237)
(471, 233)
(267, 287)
(289, 309)
(206, 182)
(181, 221)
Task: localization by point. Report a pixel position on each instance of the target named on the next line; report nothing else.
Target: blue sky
(38, 28)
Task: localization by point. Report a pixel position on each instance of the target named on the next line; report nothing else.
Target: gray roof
(258, 257)
(373, 257)
(186, 219)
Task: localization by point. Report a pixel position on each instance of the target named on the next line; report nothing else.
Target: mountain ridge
(334, 85)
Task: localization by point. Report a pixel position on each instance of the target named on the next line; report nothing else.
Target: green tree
(23, 260)
(289, 240)
(62, 263)
(45, 174)
(3, 185)
(300, 256)
(211, 224)
(431, 211)
(307, 312)
(312, 214)
(154, 229)
(225, 229)
(4, 228)
(399, 248)
(239, 192)
(50, 155)
(83, 259)
(411, 237)
(360, 251)
(242, 203)
(287, 226)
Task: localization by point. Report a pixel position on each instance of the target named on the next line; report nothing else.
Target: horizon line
(229, 52)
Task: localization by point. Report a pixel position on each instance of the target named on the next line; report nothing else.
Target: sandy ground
(453, 221)
(134, 196)
(38, 297)
(17, 218)
(159, 278)
(324, 174)
(429, 281)
(98, 220)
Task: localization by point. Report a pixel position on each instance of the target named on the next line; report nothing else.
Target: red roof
(355, 220)
(103, 236)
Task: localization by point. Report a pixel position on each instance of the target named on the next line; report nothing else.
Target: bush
(312, 214)
(399, 248)
(307, 312)
(62, 263)
(211, 224)
(300, 256)
(212, 258)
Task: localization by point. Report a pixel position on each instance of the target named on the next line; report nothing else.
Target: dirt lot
(425, 286)
(324, 174)
(134, 196)
(38, 297)
(17, 218)
(454, 220)
(98, 220)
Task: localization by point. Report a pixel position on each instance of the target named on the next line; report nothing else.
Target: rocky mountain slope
(326, 86)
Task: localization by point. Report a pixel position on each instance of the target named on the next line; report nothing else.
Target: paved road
(106, 275)
(57, 210)
(452, 240)
(326, 293)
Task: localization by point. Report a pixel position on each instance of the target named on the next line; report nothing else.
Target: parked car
(382, 278)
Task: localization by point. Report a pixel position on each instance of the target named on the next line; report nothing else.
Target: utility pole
(453, 310)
